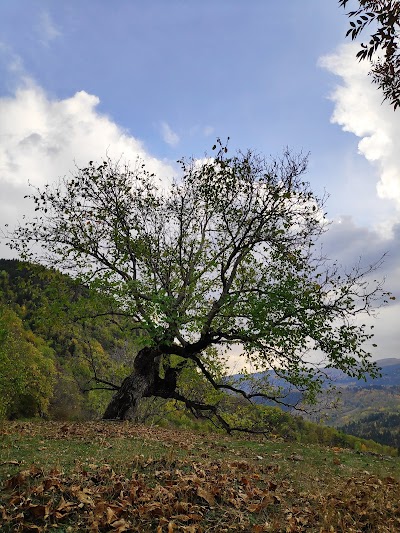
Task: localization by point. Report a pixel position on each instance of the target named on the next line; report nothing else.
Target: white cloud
(359, 110)
(169, 136)
(43, 139)
(47, 29)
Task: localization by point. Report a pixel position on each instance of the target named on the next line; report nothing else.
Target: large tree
(221, 258)
(384, 16)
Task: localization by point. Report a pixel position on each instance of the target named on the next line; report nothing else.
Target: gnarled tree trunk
(140, 384)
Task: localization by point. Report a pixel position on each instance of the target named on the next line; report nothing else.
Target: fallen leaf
(181, 507)
(65, 507)
(259, 506)
(261, 528)
(50, 482)
(187, 517)
(120, 525)
(84, 498)
(17, 480)
(206, 495)
(39, 511)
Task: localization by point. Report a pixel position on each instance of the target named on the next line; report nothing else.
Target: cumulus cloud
(43, 139)
(169, 136)
(359, 110)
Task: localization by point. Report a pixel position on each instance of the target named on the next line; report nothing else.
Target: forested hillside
(49, 354)
(370, 412)
(368, 409)
(381, 426)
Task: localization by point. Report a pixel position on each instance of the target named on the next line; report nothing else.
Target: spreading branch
(224, 257)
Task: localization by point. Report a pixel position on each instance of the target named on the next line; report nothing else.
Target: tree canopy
(384, 15)
(223, 257)
(27, 369)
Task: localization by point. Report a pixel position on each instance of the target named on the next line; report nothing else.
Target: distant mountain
(388, 362)
(390, 376)
(358, 397)
(390, 370)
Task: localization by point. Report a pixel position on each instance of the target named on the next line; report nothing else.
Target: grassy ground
(120, 477)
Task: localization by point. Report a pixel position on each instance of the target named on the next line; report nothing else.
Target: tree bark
(140, 384)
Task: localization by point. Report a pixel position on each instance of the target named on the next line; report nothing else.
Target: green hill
(44, 309)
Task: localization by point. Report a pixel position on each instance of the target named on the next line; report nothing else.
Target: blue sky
(232, 66)
(163, 79)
